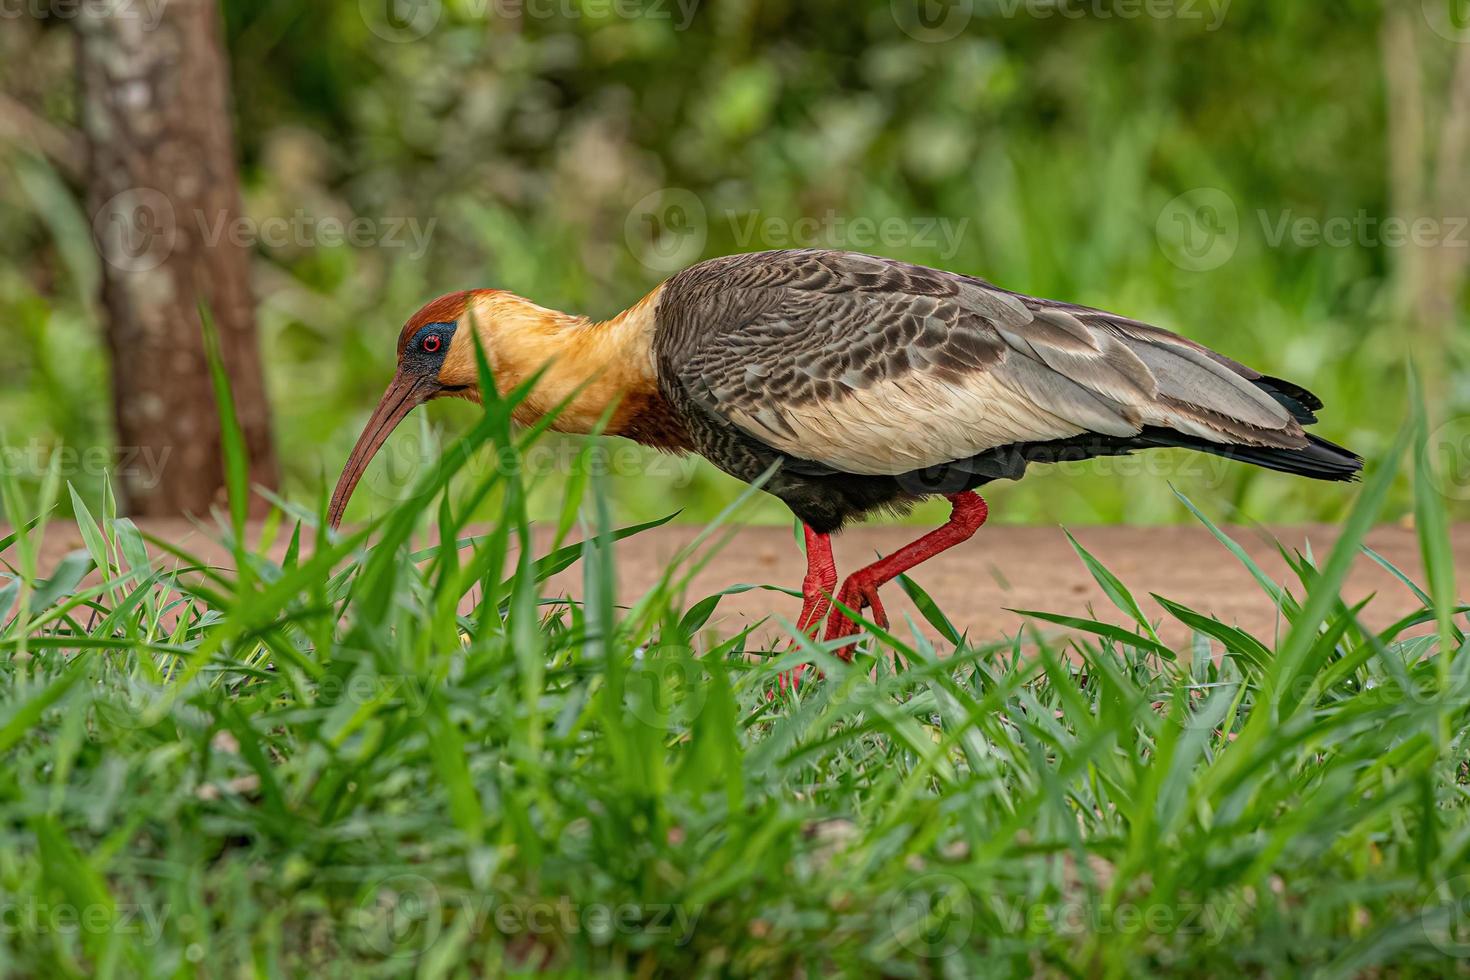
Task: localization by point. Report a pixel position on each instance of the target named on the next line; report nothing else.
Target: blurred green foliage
(575, 150)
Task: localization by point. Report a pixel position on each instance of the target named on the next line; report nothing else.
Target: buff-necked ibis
(872, 383)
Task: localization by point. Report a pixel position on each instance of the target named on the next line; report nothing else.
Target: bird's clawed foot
(814, 607)
(858, 593)
(789, 680)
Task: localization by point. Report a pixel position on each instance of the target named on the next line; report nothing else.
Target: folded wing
(870, 366)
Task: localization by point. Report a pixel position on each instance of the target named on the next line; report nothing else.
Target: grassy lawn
(324, 765)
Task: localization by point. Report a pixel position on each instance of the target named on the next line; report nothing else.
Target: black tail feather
(1300, 402)
(1318, 460)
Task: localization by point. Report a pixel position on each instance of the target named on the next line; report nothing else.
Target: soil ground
(976, 584)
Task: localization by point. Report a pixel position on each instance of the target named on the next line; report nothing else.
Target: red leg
(861, 587)
(816, 591)
(821, 579)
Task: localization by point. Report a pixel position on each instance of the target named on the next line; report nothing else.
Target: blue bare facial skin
(424, 354)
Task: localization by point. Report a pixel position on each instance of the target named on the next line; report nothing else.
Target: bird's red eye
(431, 343)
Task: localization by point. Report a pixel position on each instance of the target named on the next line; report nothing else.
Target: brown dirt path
(1003, 567)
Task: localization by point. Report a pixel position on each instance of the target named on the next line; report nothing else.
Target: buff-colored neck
(597, 366)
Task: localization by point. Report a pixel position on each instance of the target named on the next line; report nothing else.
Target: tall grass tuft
(392, 753)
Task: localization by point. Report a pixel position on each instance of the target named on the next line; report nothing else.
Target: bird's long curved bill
(403, 396)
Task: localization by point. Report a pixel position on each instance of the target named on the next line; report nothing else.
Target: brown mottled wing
(866, 365)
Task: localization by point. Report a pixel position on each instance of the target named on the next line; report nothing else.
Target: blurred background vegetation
(574, 151)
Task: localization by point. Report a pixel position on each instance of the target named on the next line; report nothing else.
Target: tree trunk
(163, 183)
(1429, 274)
